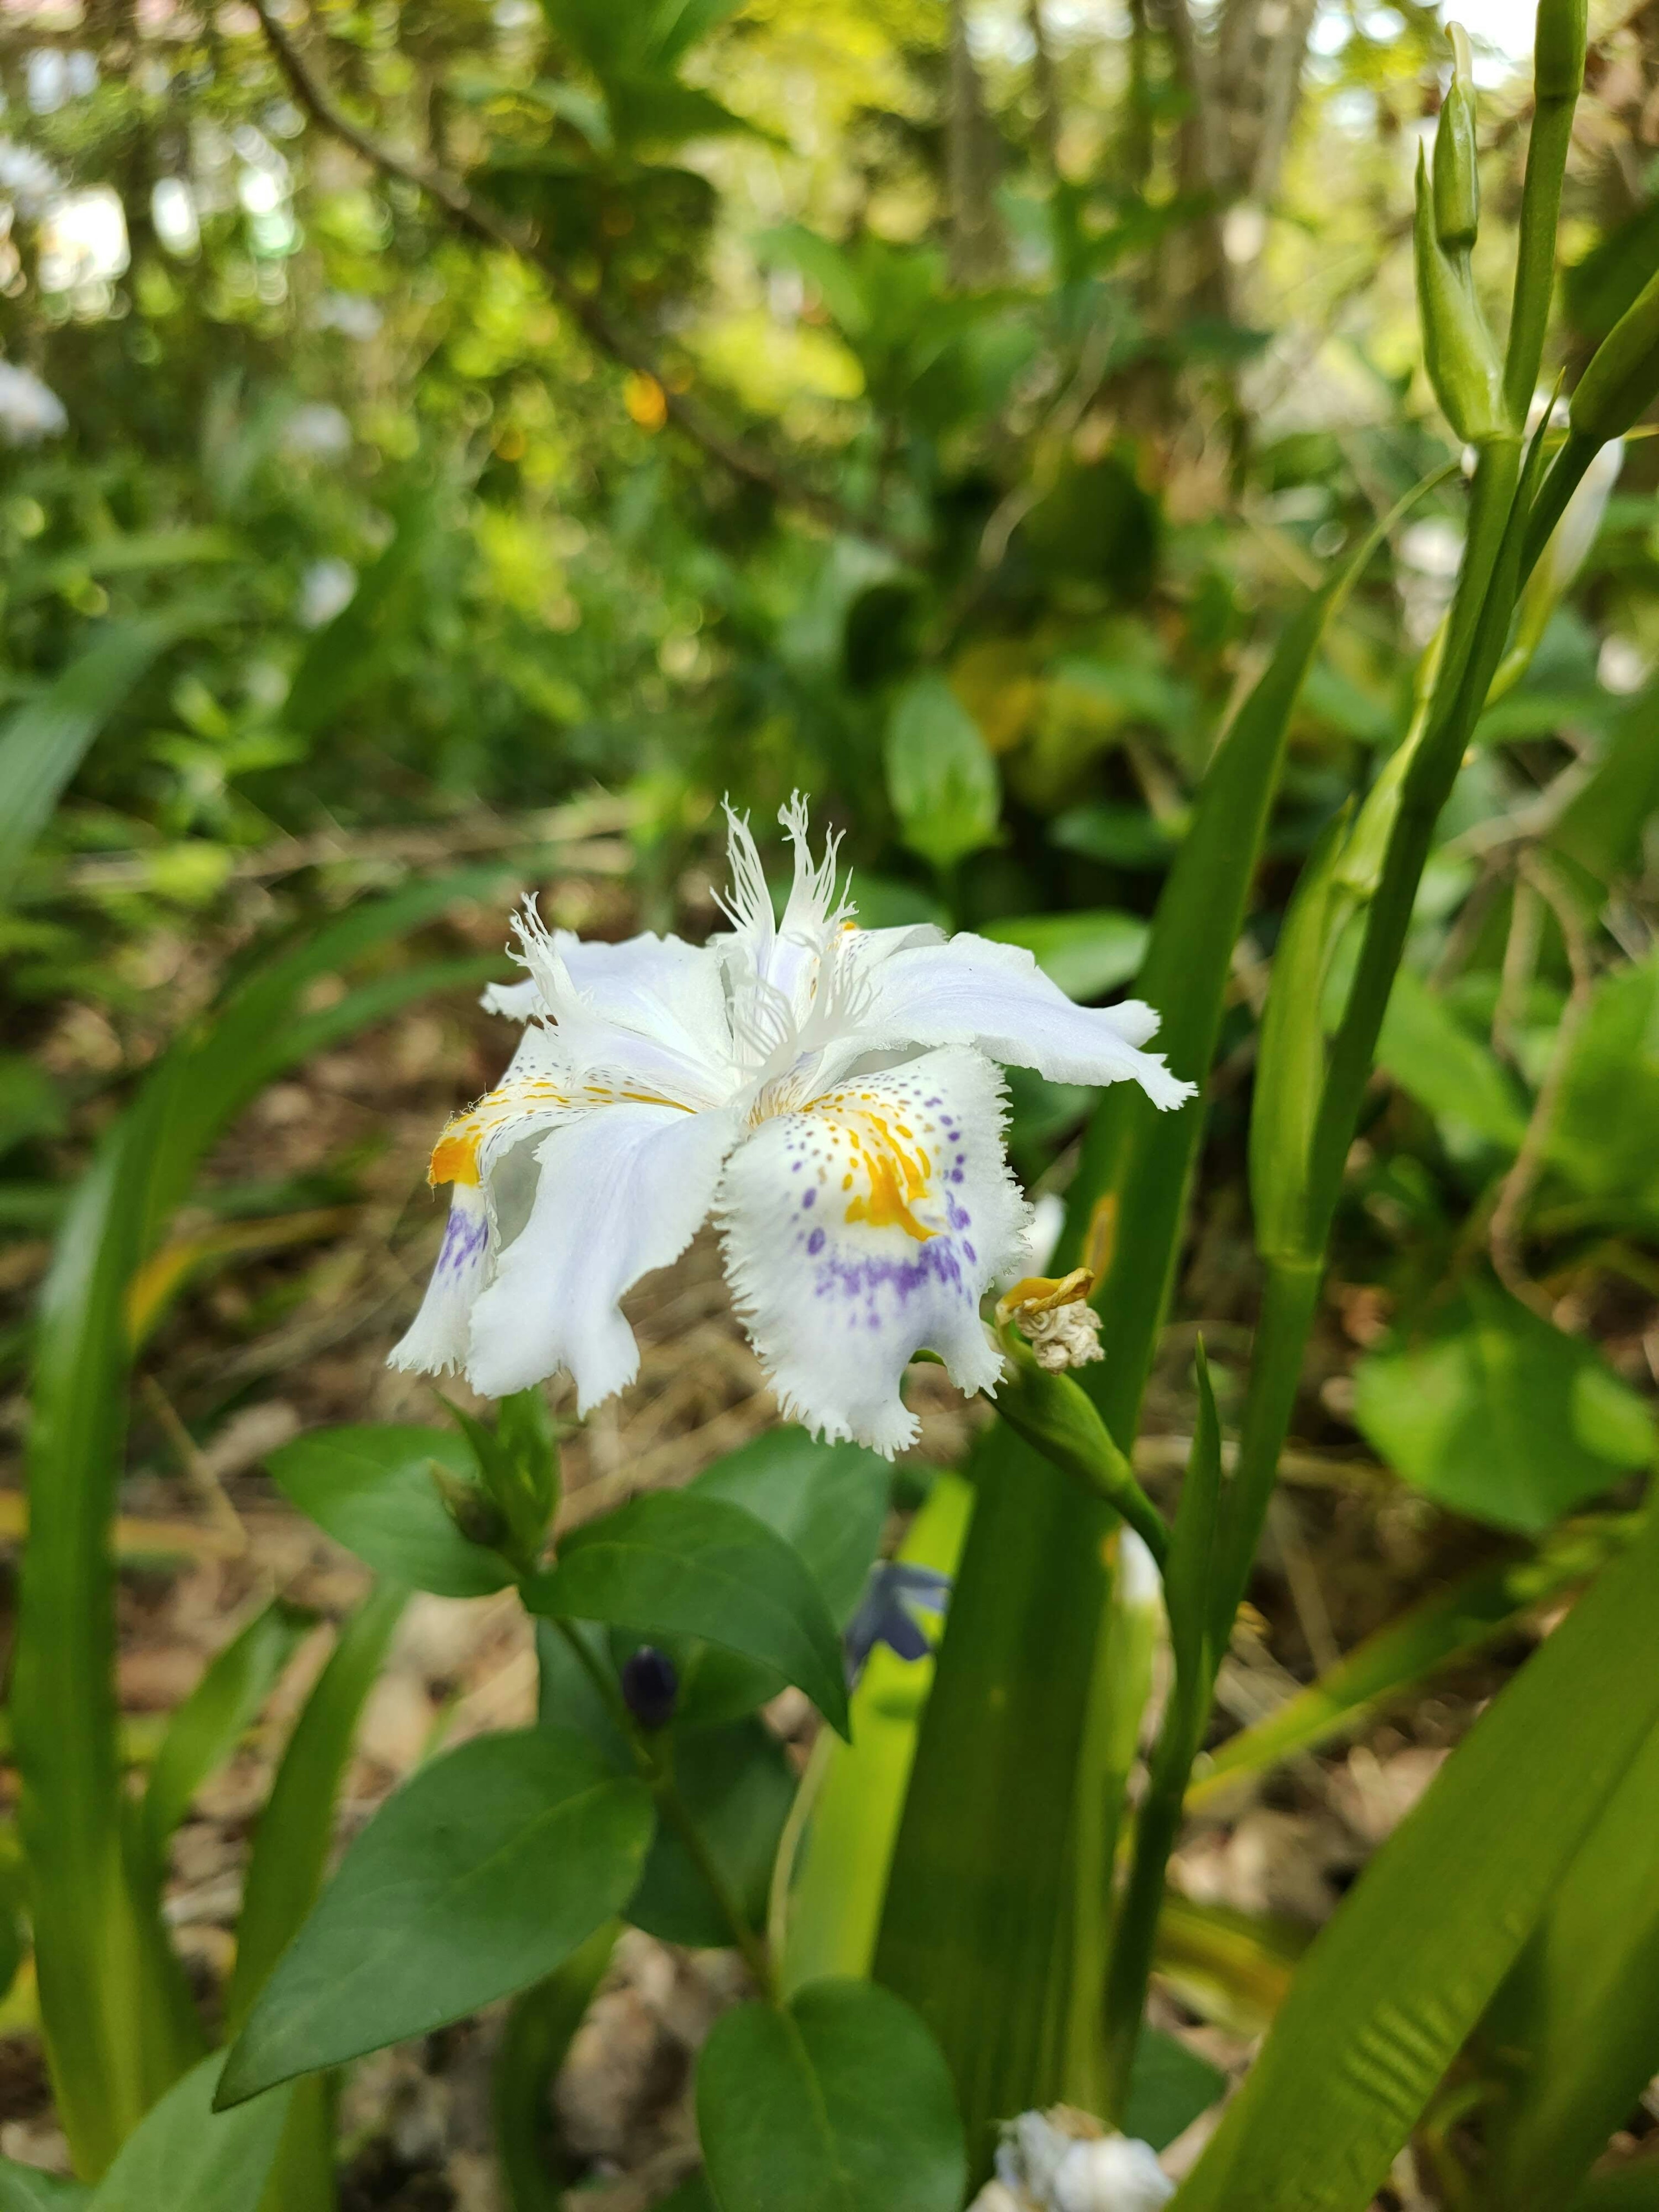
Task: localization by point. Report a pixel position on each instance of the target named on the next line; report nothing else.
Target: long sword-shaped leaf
(1398, 1980)
(1576, 2027)
(117, 2031)
(977, 1932)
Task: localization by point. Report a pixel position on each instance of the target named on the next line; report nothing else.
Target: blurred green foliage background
(418, 419)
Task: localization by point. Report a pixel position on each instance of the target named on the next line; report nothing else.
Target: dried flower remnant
(1055, 1316)
(827, 1093)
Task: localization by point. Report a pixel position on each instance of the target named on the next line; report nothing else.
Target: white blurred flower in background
(326, 589)
(82, 244)
(317, 432)
(173, 217)
(29, 410)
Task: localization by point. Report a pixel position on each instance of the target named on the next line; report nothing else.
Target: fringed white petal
(865, 1227)
(436, 1341)
(651, 1019)
(589, 962)
(970, 991)
(621, 1190)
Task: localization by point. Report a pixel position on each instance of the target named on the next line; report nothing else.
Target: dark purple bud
(650, 1686)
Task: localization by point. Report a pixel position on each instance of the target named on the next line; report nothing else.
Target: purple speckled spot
(465, 1238)
(972, 1256)
(810, 1198)
(815, 1244)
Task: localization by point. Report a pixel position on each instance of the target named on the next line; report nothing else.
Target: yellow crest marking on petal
(455, 1155)
(886, 1158)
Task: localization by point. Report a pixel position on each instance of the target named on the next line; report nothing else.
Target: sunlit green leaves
(838, 2103)
(475, 1878)
(941, 778)
(1494, 1412)
(376, 1491)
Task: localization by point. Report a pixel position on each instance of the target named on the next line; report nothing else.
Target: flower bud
(650, 1687)
(1622, 380)
(1456, 170)
(1457, 348)
(1560, 44)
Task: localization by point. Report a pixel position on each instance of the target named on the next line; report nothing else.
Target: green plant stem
(1534, 263)
(1158, 1825)
(1290, 1295)
(657, 1773)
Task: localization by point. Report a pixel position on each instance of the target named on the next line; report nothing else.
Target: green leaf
(26, 2189)
(838, 2102)
(675, 1562)
(296, 1828)
(1001, 1751)
(1633, 2187)
(373, 1489)
(1574, 2030)
(828, 1500)
(118, 2016)
(738, 1786)
(43, 742)
(1445, 1066)
(1123, 837)
(186, 2157)
(1493, 1412)
(540, 2029)
(1393, 1985)
(206, 1728)
(1086, 954)
(1290, 1069)
(941, 779)
(1168, 2087)
(477, 1877)
(1607, 1108)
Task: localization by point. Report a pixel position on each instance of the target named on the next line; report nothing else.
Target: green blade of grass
(117, 2031)
(1399, 1979)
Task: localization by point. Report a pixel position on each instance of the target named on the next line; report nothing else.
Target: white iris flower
(827, 1093)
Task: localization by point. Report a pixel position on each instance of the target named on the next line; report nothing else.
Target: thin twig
(492, 227)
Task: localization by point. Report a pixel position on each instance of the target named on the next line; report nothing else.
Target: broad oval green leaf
(701, 1566)
(187, 2157)
(1493, 1412)
(838, 2102)
(478, 1877)
(373, 1490)
(828, 1500)
(1394, 1984)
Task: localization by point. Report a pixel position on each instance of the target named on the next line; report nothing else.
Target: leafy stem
(657, 1773)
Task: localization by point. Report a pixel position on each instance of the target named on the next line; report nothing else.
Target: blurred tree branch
(487, 224)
